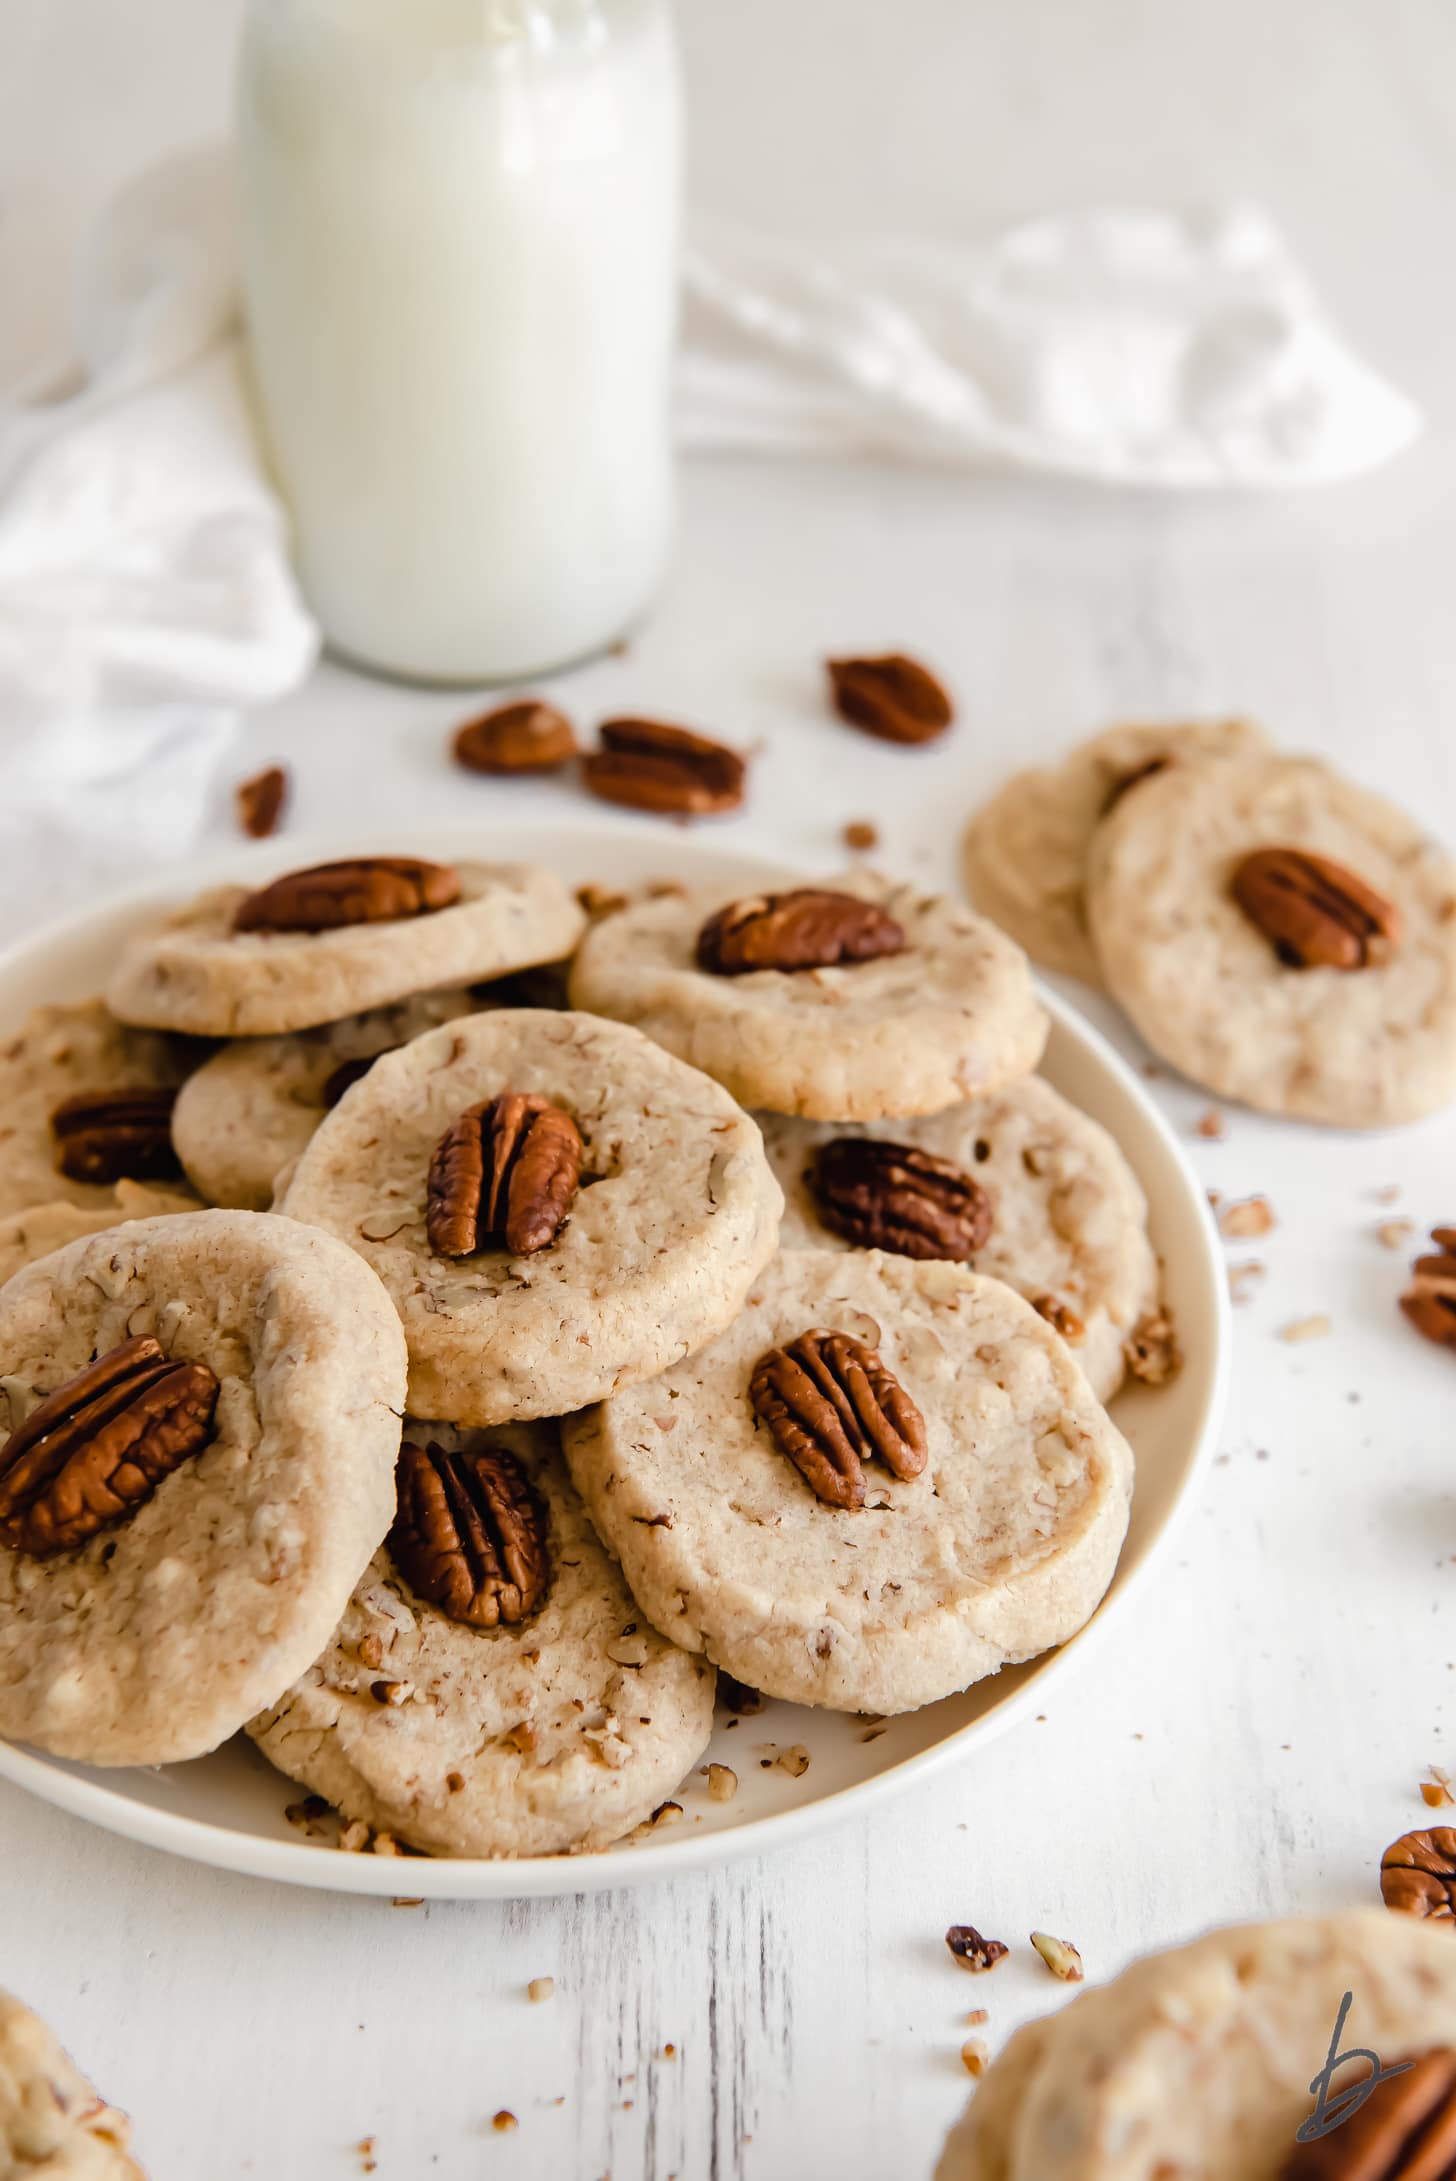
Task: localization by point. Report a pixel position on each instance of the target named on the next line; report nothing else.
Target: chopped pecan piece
(971, 1951)
(1151, 1352)
(1061, 1317)
(1060, 1956)
(810, 928)
(526, 736)
(346, 1075)
(363, 890)
(893, 697)
(1404, 2130)
(649, 765)
(261, 802)
(505, 1171)
(470, 1534)
(90, 1453)
(1418, 1874)
(1314, 913)
(889, 1196)
(1430, 1300)
(116, 1135)
(830, 1404)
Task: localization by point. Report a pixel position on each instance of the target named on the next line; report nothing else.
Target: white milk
(459, 225)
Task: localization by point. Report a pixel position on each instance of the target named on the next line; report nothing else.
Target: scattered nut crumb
(599, 901)
(1152, 1353)
(976, 2017)
(540, 1988)
(1436, 1790)
(1393, 1234)
(1390, 1194)
(408, 1900)
(1314, 1328)
(354, 1839)
(1247, 1217)
(504, 2122)
(1211, 1125)
(1060, 1956)
(385, 1844)
(628, 1649)
(1061, 1318)
(666, 1813)
(669, 2052)
(1244, 1278)
(794, 1760)
(860, 834)
(261, 802)
(970, 1951)
(722, 1783)
(975, 2057)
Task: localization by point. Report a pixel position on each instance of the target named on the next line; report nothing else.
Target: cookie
(1000, 1547)
(1025, 853)
(199, 972)
(52, 2123)
(949, 1013)
(220, 1567)
(675, 1215)
(248, 1112)
(25, 1236)
(74, 1059)
(1057, 1209)
(561, 1728)
(1200, 2061)
(1209, 986)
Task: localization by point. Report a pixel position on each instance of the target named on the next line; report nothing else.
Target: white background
(1253, 1735)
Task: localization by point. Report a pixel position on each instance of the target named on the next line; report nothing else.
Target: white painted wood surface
(1254, 1735)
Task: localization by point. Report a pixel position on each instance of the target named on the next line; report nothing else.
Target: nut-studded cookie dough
(1026, 850)
(204, 1417)
(248, 1112)
(1226, 959)
(856, 1000)
(339, 939)
(523, 1706)
(965, 1511)
(25, 1236)
(1200, 2061)
(1019, 1185)
(628, 1237)
(84, 1103)
(52, 2123)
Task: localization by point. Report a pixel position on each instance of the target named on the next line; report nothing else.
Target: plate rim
(249, 1854)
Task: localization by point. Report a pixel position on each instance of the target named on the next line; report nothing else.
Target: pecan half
(1430, 1300)
(526, 736)
(363, 890)
(893, 697)
(649, 765)
(830, 1404)
(90, 1453)
(1314, 913)
(470, 1534)
(261, 802)
(1418, 1874)
(971, 1951)
(116, 1135)
(1404, 2131)
(810, 928)
(505, 1171)
(889, 1196)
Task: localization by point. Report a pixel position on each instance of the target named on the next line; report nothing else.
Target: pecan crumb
(975, 2057)
(860, 835)
(1060, 1956)
(1393, 1234)
(261, 802)
(354, 1839)
(1248, 1217)
(385, 1844)
(1152, 1353)
(1313, 1328)
(407, 1900)
(976, 2017)
(1061, 1317)
(1244, 1278)
(540, 1988)
(794, 1760)
(504, 2121)
(1436, 1795)
(970, 1951)
(669, 2052)
(1211, 1125)
(722, 1783)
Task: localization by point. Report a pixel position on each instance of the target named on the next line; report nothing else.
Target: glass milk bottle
(459, 234)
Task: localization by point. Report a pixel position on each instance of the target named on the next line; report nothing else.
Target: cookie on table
(856, 1000)
(86, 1102)
(25, 1236)
(557, 1207)
(492, 1689)
(338, 939)
(53, 2124)
(248, 1112)
(204, 1418)
(922, 1492)
(1200, 2061)
(1019, 1185)
(1025, 853)
(1283, 937)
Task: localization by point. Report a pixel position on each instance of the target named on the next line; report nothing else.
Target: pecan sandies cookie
(52, 2122)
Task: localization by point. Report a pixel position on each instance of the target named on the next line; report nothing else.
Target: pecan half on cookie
(893, 697)
(889, 1196)
(505, 1171)
(361, 890)
(830, 1404)
(1314, 913)
(1404, 2130)
(92, 1451)
(116, 1135)
(470, 1534)
(812, 927)
(649, 765)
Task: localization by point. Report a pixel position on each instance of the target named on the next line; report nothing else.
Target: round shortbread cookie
(1001, 1547)
(1200, 2061)
(164, 1632)
(195, 972)
(248, 1112)
(1068, 1219)
(951, 1015)
(52, 2123)
(562, 1732)
(25, 1236)
(1025, 853)
(60, 1053)
(1355, 1048)
(677, 1213)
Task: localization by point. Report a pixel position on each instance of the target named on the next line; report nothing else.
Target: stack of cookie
(423, 1382)
(1277, 933)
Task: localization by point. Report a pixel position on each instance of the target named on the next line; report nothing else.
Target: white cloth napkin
(145, 592)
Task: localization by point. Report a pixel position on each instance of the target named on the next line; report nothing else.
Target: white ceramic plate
(228, 1809)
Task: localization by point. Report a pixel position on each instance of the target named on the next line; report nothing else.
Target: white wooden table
(1253, 1734)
